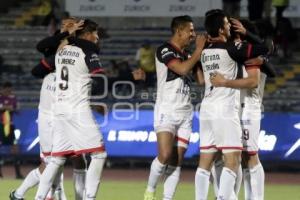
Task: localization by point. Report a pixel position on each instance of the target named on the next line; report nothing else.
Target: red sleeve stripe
(97, 71)
(249, 50)
(45, 64)
(170, 61)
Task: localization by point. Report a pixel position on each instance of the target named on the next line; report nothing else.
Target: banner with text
(129, 133)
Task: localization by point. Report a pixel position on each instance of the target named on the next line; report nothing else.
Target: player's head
(183, 27)
(89, 31)
(216, 23)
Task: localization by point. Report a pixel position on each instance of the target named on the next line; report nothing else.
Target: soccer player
(173, 108)
(252, 86)
(220, 128)
(75, 131)
(48, 47)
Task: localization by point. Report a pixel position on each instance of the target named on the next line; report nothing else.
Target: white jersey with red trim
(47, 94)
(224, 58)
(73, 86)
(173, 90)
(252, 98)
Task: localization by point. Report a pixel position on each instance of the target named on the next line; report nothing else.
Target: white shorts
(45, 131)
(76, 133)
(250, 122)
(180, 124)
(220, 129)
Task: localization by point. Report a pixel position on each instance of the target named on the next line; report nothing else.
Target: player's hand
(254, 61)
(238, 26)
(73, 27)
(138, 74)
(201, 40)
(217, 79)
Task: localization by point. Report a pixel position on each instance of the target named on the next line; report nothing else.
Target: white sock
(238, 181)
(201, 184)
(31, 180)
(227, 181)
(215, 174)
(247, 185)
(93, 175)
(79, 182)
(172, 174)
(55, 185)
(60, 191)
(257, 181)
(48, 177)
(156, 170)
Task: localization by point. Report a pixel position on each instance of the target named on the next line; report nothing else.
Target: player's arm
(45, 66)
(51, 43)
(218, 80)
(266, 67)
(243, 51)
(198, 73)
(184, 67)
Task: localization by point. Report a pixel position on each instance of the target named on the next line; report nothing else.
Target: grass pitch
(133, 190)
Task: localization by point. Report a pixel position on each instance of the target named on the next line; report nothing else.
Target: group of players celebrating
(229, 60)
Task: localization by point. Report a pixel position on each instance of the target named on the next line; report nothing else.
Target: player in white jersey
(220, 128)
(173, 108)
(75, 129)
(251, 101)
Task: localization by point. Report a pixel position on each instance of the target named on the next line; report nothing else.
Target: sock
(79, 182)
(172, 174)
(156, 170)
(238, 181)
(31, 180)
(227, 181)
(48, 177)
(247, 184)
(201, 184)
(93, 175)
(215, 175)
(60, 191)
(257, 180)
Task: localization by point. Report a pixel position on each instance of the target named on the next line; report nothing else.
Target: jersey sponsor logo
(65, 52)
(211, 67)
(205, 58)
(94, 58)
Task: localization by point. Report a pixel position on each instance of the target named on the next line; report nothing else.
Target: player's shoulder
(165, 49)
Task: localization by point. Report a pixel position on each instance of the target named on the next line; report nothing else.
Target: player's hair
(89, 26)
(214, 20)
(179, 21)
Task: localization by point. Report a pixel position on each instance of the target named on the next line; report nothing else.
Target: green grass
(133, 190)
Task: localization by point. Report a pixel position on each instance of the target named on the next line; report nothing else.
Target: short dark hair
(213, 22)
(180, 21)
(89, 26)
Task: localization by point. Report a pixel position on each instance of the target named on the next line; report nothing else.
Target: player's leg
(48, 176)
(254, 173)
(32, 179)
(228, 138)
(207, 156)
(79, 175)
(216, 171)
(87, 138)
(165, 147)
(93, 174)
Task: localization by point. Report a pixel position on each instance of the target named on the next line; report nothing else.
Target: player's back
(73, 80)
(215, 58)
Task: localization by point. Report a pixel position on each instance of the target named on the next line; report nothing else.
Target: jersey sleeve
(243, 51)
(166, 55)
(93, 63)
(45, 66)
